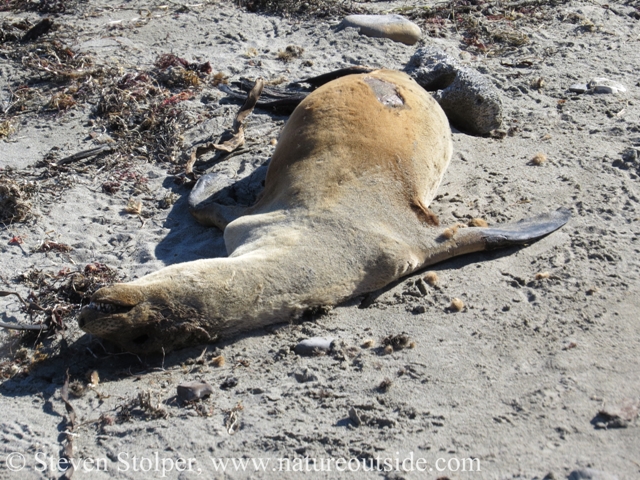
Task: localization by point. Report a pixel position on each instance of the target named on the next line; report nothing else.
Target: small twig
(92, 152)
(69, 434)
(235, 142)
(5, 293)
(19, 326)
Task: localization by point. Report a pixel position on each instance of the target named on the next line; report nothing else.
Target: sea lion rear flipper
(474, 239)
(320, 80)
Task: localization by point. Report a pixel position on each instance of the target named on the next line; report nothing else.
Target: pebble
(590, 474)
(190, 391)
(579, 88)
(355, 417)
(228, 383)
(313, 346)
(305, 375)
(604, 85)
(393, 27)
(471, 102)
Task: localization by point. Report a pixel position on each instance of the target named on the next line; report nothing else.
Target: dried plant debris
(167, 60)
(232, 422)
(299, 8)
(14, 200)
(366, 415)
(22, 362)
(42, 6)
(398, 342)
(385, 385)
(144, 406)
(6, 129)
(486, 27)
(59, 296)
(48, 246)
(146, 108)
(290, 53)
(617, 415)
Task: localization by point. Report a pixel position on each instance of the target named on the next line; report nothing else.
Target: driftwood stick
(20, 326)
(92, 152)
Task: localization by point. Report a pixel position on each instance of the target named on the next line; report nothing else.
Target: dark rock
(191, 391)
(470, 100)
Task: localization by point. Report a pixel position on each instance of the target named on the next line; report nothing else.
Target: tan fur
(343, 212)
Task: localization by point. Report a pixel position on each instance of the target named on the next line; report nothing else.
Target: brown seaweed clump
(302, 8)
(14, 204)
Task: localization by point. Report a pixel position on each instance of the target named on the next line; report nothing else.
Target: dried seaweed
(42, 6)
(141, 406)
(487, 27)
(143, 109)
(59, 296)
(14, 200)
(302, 8)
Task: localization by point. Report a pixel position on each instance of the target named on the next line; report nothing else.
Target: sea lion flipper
(476, 239)
(525, 231)
(217, 215)
(214, 201)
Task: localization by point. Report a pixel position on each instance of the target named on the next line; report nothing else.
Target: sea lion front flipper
(215, 201)
(474, 239)
(217, 215)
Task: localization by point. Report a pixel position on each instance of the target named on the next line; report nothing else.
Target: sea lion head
(141, 319)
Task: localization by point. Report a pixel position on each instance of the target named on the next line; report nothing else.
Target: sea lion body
(343, 212)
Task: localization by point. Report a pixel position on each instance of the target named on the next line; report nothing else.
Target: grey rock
(579, 88)
(604, 85)
(393, 27)
(273, 394)
(355, 417)
(313, 346)
(191, 391)
(471, 101)
(305, 375)
(590, 474)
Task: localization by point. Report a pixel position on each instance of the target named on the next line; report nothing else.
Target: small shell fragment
(134, 207)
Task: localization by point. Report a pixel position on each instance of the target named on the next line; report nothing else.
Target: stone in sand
(604, 85)
(470, 100)
(394, 27)
(579, 88)
(591, 474)
(190, 391)
(313, 346)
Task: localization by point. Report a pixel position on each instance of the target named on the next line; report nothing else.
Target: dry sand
(515, 380)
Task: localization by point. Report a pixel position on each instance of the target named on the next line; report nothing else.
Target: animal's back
(379, 133)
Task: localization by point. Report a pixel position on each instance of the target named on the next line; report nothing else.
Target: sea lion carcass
(344, 211)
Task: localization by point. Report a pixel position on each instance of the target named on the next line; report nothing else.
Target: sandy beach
(537, 377)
